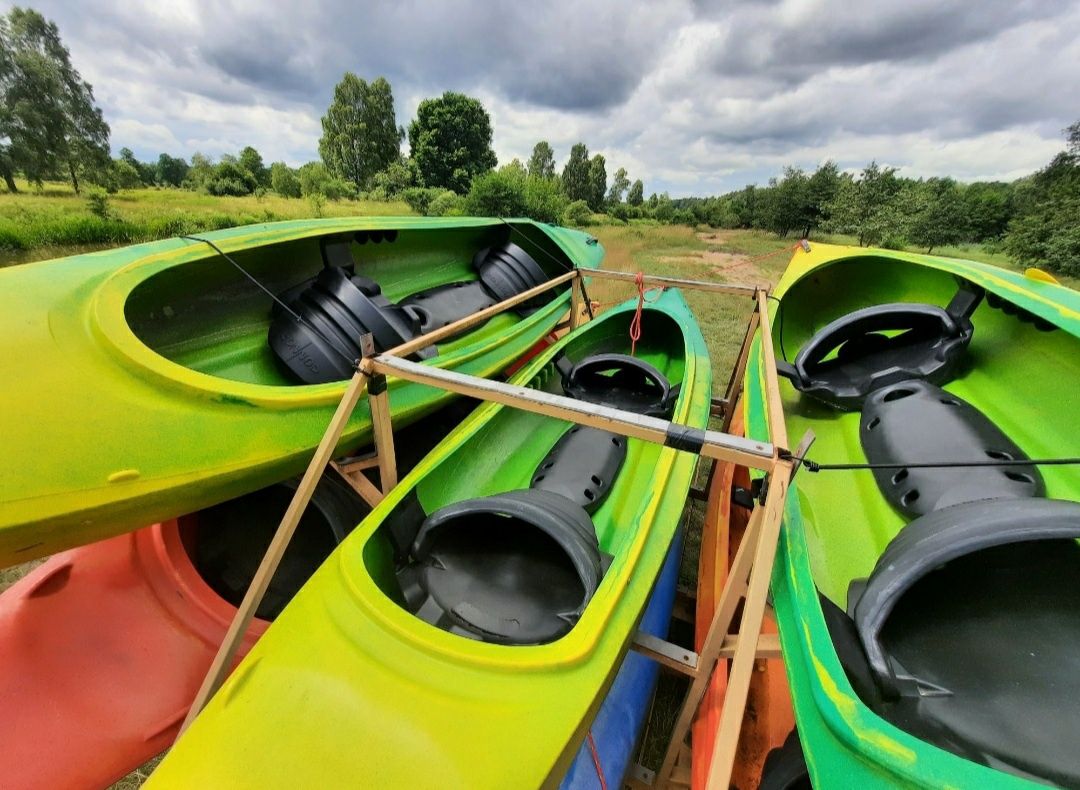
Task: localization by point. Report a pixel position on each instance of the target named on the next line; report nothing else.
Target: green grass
(53, 222)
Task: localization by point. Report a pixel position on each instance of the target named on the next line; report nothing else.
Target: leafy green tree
(636, 195)
(575, 176)
(230, 178)
(664, 210)
(988, 206)
(201, 170)
(313, 178)
(544, 199)
(284, 180)
(144, 170)
(542, 161)
(868, 208)
(940, 217)
(49, 123)
(360, 132)
(450, 141)
(498, 193)
(619, 184)
(252, 161)
(447, 204)
(578, 214)
(787, 200)
(821, 190)
(125, 175)
(171, 171)
(1046, 233)
(597, 182)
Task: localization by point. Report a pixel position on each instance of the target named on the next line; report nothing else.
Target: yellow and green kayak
(151, 381)
(465, 634)
(927, 599)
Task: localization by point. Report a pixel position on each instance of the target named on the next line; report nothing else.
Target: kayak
(152, 381)
(103, 647)
(929, 616)
(468, 630)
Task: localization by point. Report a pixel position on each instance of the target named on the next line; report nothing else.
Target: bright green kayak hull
(837, 524)
(138, 384)
(349, 689)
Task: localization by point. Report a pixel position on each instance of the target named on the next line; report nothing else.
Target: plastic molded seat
(881, 345)
(916, 421)
(970, 624)
(620, 381)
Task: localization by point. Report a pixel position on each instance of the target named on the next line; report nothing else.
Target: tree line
(50, 128)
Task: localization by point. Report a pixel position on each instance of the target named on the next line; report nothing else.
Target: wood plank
(350, 466)
(478, 317)
(742, 664)
(747, 452)
(361, 485)
(222, 662)
(774, 406)
(735, 384)
(384, 440)
(734, 289)
(577, 305)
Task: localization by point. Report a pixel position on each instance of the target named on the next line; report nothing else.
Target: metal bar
(747, 452)
(675, 282)
(478, 317)
(666, 653)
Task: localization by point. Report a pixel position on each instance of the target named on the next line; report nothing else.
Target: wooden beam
(735, 384)
(222, 662)
(774, 406)
(687, 662)
(747, 452)
(742, 663)
(675, 282)
(577, 304)
(348, 466)
(360, 484)
(478, 317)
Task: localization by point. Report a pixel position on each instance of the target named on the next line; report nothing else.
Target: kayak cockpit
(395, 283)
(963, 616)
(518, 561)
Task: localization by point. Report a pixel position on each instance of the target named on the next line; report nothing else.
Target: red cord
(596, 760)
(635, 322)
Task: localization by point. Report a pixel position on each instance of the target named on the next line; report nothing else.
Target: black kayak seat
(915, 421)
(970, 624)
(620, 381)
(514, 568)
(881, 345)
(337, 307)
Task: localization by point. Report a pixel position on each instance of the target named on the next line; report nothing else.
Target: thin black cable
(814, 466)
(299, 319)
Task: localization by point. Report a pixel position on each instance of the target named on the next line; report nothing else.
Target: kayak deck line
(749, 580)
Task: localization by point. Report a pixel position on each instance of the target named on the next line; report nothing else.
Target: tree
(284, 181)
(497, 193)
(988, 206)
(230, 178)
(619, 184)
(201, 170)
(1046, 233)
(542, 161)
(821, 190)
(360, 132)
(450, 141)
(144, 170)
(125, 175)
(252, 161)
(390, 183)
(575, 176)
(49, 124)
(786, 202)
(313, 177)
(636, 195)
(868, 207)
(597, 183)
(940, 217)
(171, 171)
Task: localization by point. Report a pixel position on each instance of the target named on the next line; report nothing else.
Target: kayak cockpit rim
(749, 579)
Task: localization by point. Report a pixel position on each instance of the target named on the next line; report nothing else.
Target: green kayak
(928, 607)
(465, 634)
(151, 381)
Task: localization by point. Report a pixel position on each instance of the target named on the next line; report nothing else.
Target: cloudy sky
(692, 97)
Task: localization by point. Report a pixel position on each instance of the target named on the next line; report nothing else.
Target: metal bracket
(666, 653)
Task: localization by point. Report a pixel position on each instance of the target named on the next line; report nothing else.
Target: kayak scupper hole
(999, 455)
(538, 478)
(548, 465)
(589, 495)
(900, 477)
(950, 401)
(897, 394)
(597, 481)
(1019, 477)
(910, 498)
(615, 442)
(575, 429)
(873, 423)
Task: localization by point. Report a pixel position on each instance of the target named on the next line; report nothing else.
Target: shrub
(578, 214)
(395, 179)
(229, 178)
(446, 204)
(338, 188)
(125, 174)
(545, 200)
(620, 212)
(420, 198)
(683, 216)
(98, 203)
(284, 181)
(313, 177)
(497, 194)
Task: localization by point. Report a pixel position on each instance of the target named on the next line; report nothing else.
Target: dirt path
(732, 267)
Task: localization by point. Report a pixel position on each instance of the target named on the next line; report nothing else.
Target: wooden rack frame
(749, 578)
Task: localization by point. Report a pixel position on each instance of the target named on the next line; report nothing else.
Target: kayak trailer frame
(750, 571)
